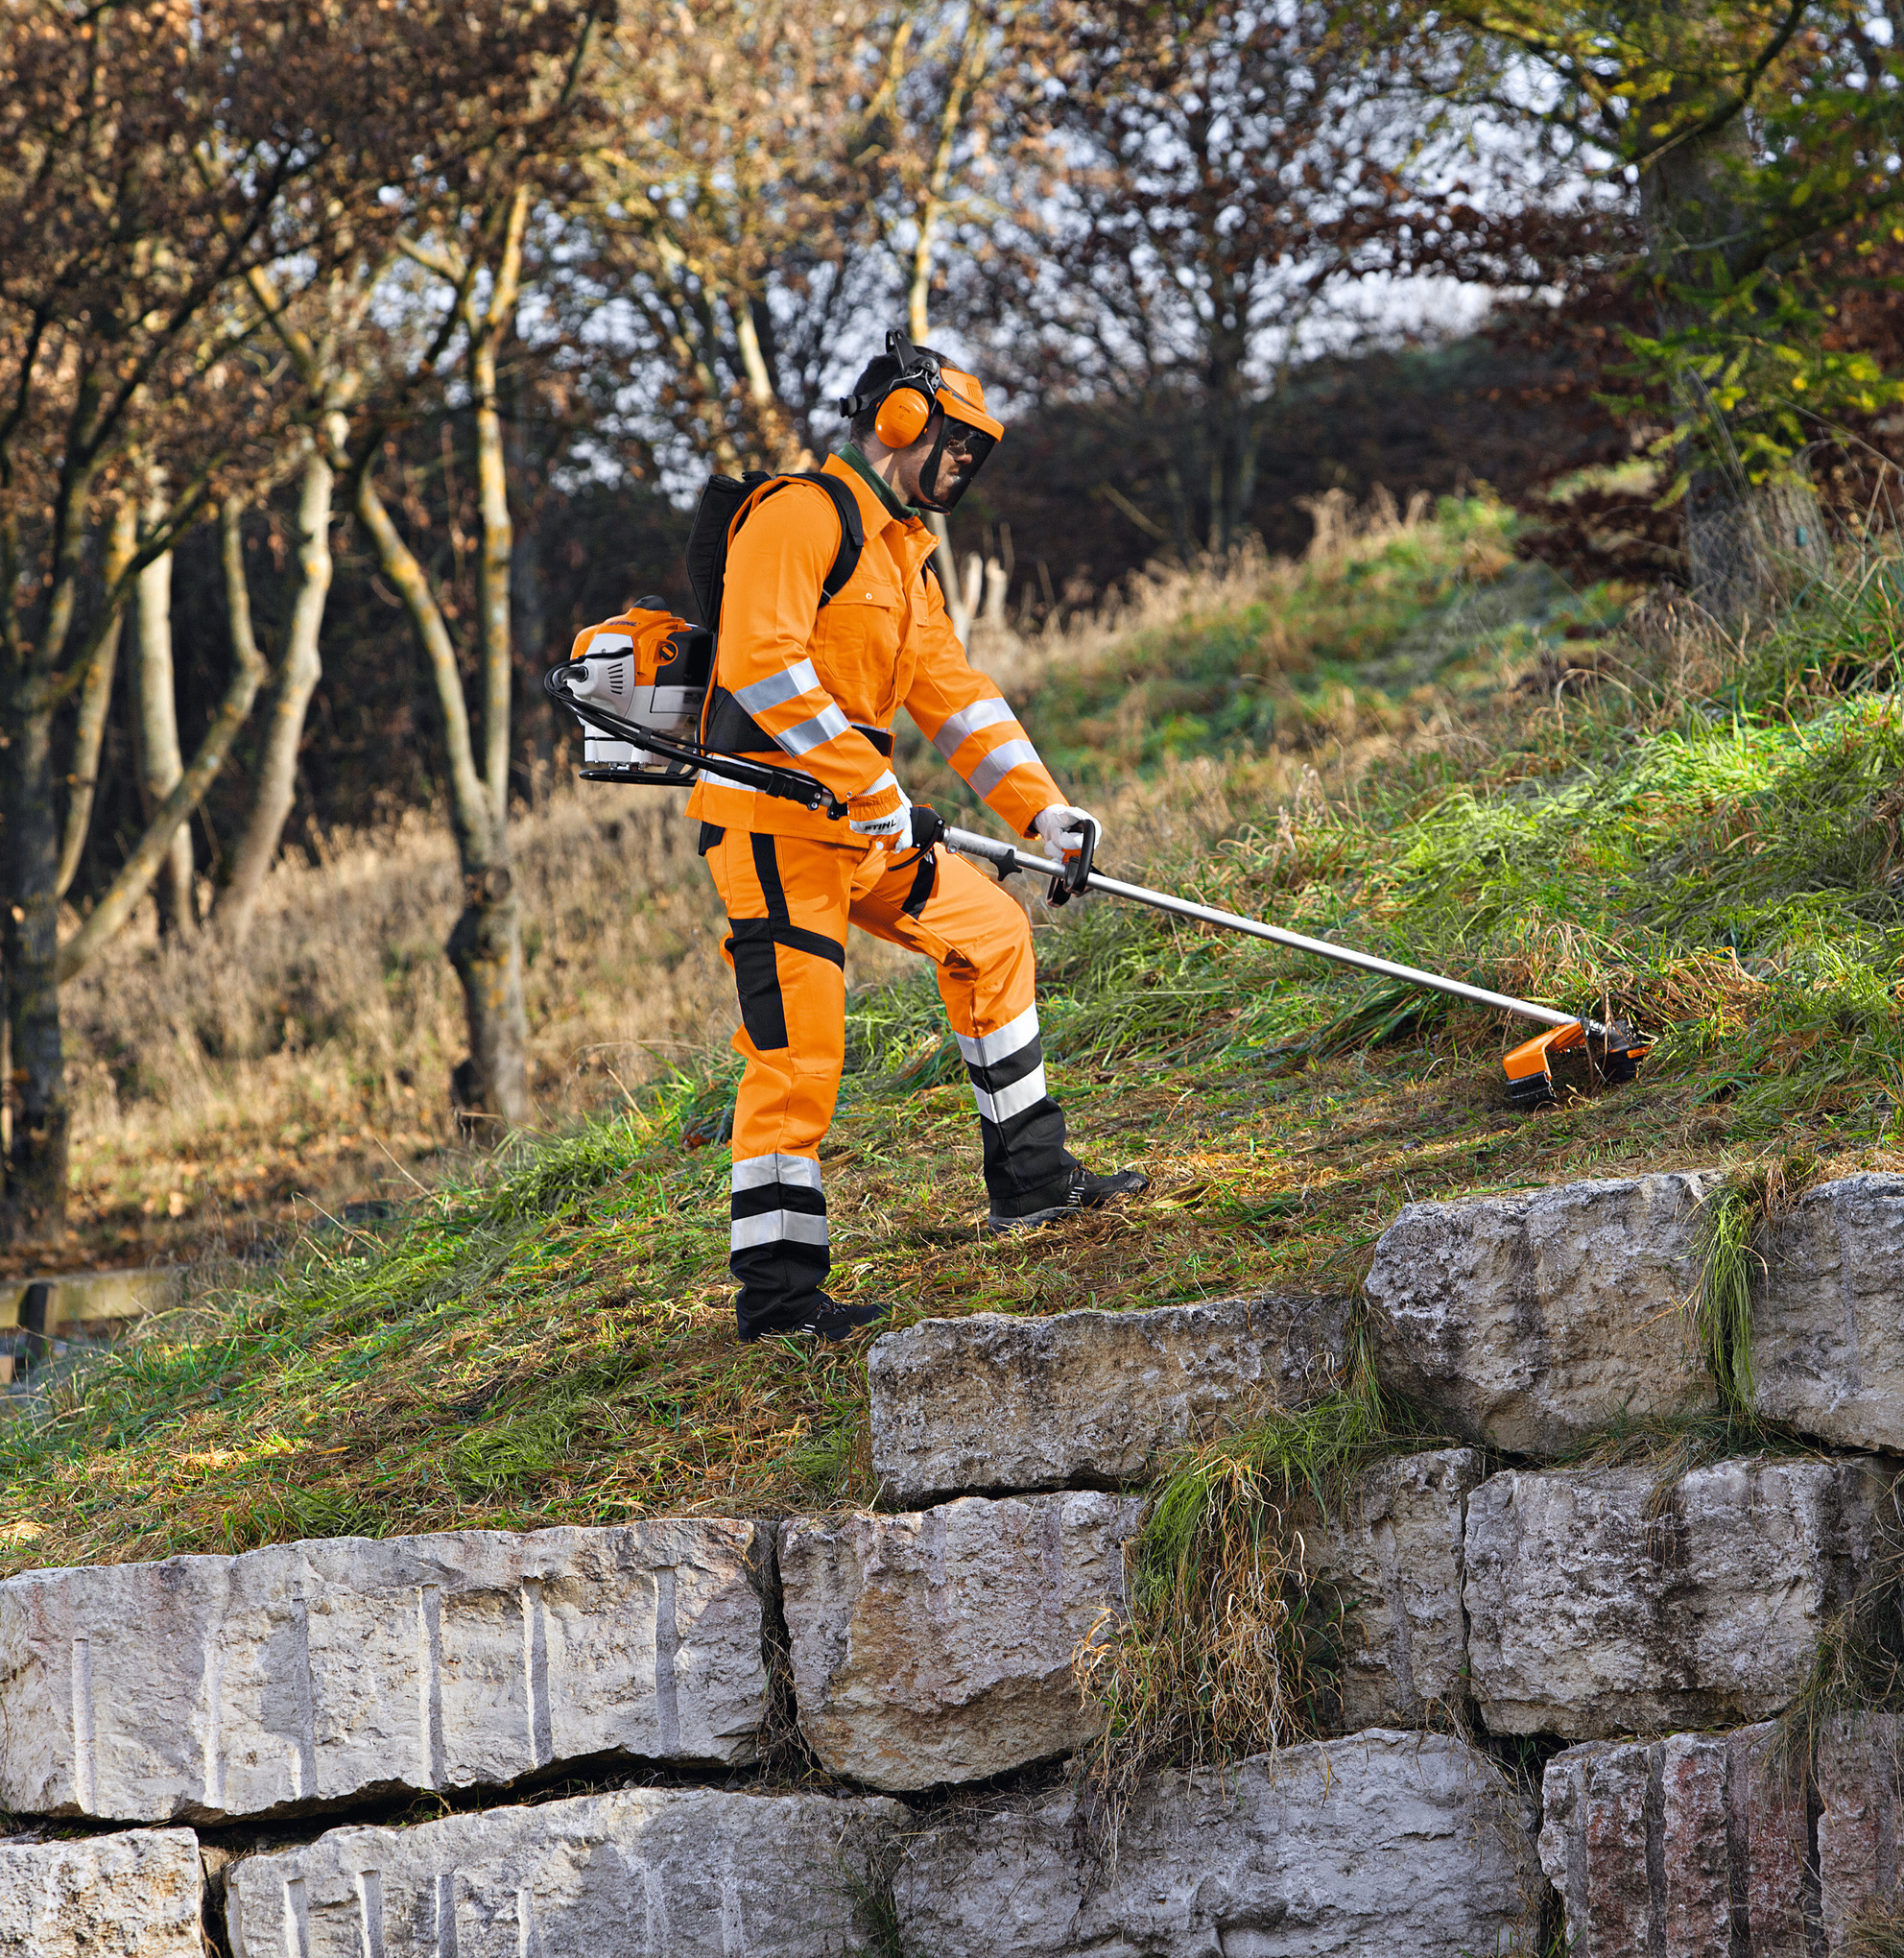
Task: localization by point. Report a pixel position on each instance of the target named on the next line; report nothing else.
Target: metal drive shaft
(1007, 856)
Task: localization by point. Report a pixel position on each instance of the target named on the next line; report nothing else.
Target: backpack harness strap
(731, 728)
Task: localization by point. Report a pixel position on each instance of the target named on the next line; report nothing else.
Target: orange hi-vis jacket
(812, 675)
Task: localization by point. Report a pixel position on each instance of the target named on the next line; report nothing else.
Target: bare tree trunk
(919, 321)
(945, 566)
(159, 762)
(33, 644)
(154, 848)
(32, 1203)
(530, 626)
(1180, 514)
(491, 1087)
(486, 942)
(492, 569)
(996, 590)
(95, 703)
(298, 677)
(1239, 466)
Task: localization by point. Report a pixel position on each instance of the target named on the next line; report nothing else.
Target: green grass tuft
(1859, 1666)
(1231, 1646)
(1732, 1221)
(1728, 1222)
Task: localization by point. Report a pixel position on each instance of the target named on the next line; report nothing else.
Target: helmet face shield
(958, 454)
(966, 435)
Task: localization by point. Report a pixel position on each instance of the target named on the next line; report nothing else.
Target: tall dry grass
(1166, 593)
(210, 1086)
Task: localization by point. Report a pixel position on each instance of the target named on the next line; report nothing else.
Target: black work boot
(820, 1318)
(1080, 1191)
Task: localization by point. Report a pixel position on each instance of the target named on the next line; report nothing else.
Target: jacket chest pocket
(860, 626)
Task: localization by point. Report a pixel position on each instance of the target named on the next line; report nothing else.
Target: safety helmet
(903, 388)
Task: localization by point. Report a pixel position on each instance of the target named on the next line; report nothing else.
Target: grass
(1231, 1646)
(1877, 1931)
(1705, 840)
(1386, 617)
(1731, 1219)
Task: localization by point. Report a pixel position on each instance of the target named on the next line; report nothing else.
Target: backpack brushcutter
(650, 662)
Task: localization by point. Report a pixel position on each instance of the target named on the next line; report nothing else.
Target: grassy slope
(1704, 839)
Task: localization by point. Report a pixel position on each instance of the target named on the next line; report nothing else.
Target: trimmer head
(1612, 1046)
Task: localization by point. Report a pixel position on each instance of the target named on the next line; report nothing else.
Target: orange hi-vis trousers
(789, 900)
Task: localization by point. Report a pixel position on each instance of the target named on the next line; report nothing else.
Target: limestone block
(1828, 1314)
(991, 1404)
(1860, 1828)
(1394, 1555)
(1527, 1320)
(1385, 1841)
(139, 1894)
(1597, 1607)
(1670, 1847)
(936, 1647)
(315, 1672)
(655, 1871)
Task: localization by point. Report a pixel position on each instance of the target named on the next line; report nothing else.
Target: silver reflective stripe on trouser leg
(775, 1227)
(1021, 1126)
(777, 1240)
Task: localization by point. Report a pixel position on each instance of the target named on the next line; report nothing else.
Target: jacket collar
(878, 506)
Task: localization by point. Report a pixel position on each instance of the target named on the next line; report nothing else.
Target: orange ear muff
(902, 416)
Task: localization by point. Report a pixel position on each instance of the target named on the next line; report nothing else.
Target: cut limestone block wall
(1828, 1316)
(1528, 1321)
(1597, 1609)
(992, 1404)
(937, 1646)
(116, 1895)
(663, 1873)
(1385, 1841)
(932, 1649)
(209, 1687)
(1666, 1847)
(1394, 1555)
(1860, 1827)
(136, 1894)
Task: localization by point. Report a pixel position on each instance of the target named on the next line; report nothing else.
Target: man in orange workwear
(811, 683)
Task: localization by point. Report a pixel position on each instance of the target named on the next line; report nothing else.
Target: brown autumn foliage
(156, 155)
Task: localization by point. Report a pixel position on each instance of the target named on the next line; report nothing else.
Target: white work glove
(1061, 826)
(883, 814)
